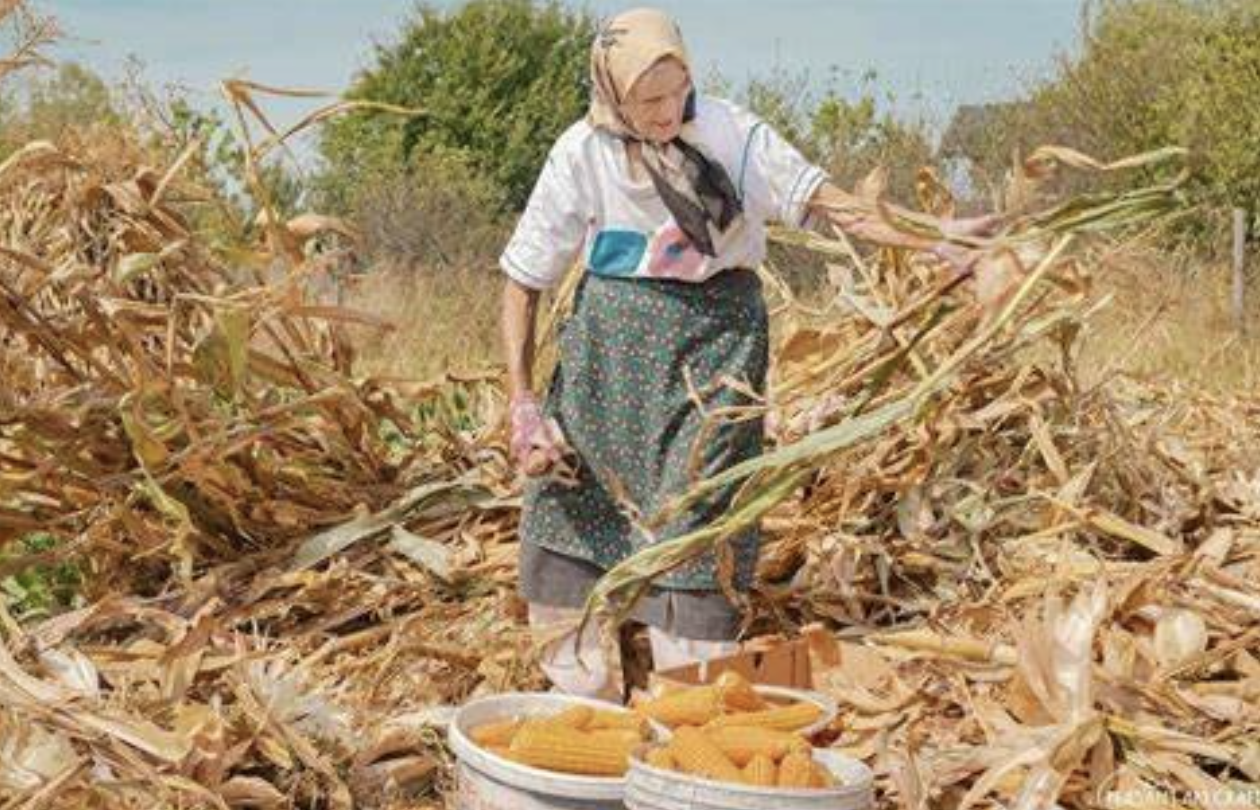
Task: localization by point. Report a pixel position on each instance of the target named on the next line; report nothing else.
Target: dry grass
(444, 320)
(1169, 317)
(1165, 317)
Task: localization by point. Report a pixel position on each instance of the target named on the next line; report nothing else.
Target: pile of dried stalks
(943, 482)
(195, 441)
(948, 544)
(1046, 592)
(186, 437)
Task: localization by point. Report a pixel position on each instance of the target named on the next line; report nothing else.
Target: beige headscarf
(695, 189)
(625, 48)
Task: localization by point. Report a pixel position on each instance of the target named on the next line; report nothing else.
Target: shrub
(1149, 73)
(44, 106)
(497, 81)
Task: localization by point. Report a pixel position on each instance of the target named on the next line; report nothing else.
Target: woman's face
(655, 103)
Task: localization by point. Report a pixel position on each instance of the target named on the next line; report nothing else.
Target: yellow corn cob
(577, 716)
(796, 771)
(792, 717)
(690, 707)
(761, 771)
(738, 694)
(742, 743)
(821, 777)
(560, 748)
(661, 758)
(498, 733)
(696, 753)
(625, 736)
(607, 718)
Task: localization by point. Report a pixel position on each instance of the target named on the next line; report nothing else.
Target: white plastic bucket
(489, 782)
(777, 695)
(649, 788)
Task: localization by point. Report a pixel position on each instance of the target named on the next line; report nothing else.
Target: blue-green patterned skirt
(632, 356)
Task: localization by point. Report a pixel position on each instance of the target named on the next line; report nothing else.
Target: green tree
(1121, 94)
(43, 106)
(849, 134)
(220, 161)
(1220, 117)
(496, 80)
(1148, 74)
(854, 137)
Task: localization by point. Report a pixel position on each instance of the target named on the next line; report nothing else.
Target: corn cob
(497, 733)
(661, 758)
(560, 748)
(761, 771)
(785, 718)
(690, 707)
(738, 694)
(696, 753)
(821, 777)
(500, 751)
(607, 718)
(577, 716)
(742, 743)
(624, 736)
(796, 771)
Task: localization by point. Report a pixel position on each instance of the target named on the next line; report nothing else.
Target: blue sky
(930, 54)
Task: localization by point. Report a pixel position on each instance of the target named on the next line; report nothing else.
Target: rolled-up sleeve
(779, 172)
(550, 231)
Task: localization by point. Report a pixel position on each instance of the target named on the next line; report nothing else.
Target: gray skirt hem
(552, 578)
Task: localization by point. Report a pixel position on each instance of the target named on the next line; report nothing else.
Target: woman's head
(640, 76)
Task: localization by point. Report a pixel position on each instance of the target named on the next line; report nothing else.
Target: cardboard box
(769, 660)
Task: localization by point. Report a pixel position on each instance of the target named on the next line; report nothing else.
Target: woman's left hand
(981, 226)
(537, 444)
(952, 249)
(994, 274)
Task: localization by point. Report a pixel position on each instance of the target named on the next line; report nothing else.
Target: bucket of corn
(535, 751)
(744, 769)
(732, 745)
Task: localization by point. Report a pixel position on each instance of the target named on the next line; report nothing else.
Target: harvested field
(1045, 589)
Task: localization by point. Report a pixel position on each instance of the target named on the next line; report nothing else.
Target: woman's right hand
(536, 443)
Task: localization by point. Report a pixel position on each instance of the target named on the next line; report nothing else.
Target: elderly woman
(664, 194)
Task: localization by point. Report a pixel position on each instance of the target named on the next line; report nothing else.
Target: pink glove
(537, 445)
(996, 274)
(963, 259)
(981, 226)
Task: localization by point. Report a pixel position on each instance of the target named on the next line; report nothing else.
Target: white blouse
(585, 200)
